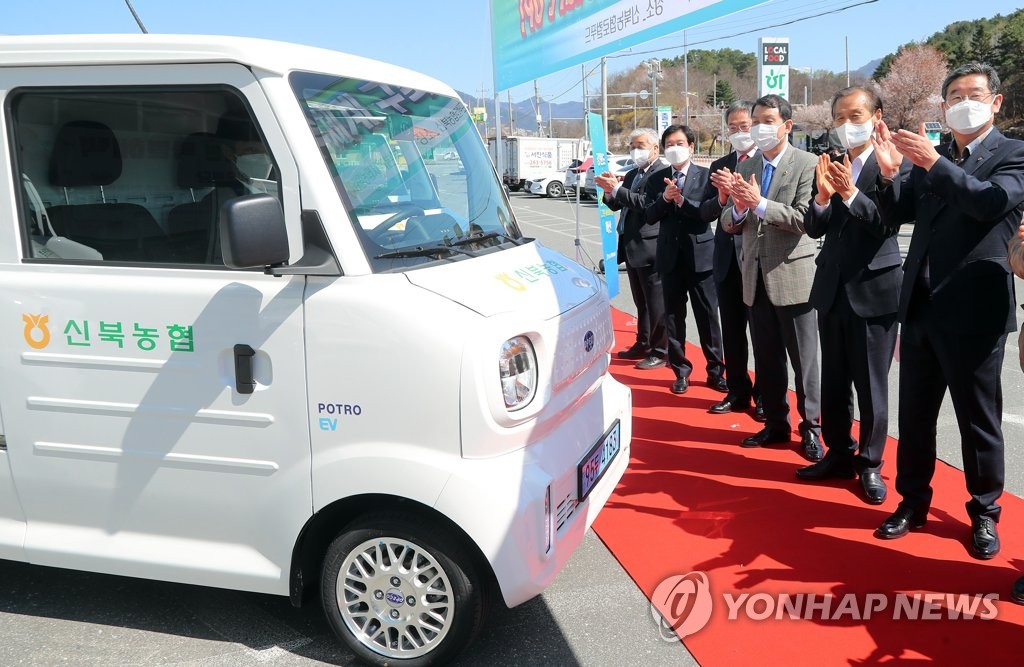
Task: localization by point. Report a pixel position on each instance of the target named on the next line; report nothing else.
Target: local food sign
(773, 66)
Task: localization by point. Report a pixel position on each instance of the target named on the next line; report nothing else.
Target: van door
(12, 518)
(137, 445)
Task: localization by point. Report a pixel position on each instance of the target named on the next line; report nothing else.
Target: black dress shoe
(765, 437)
(902, 521)
(649, 363)
(984, 537)
(812, 446)
(759, 411)
(1017, 592)
(635, 351)
(830, 467)
(731, 403)
(680, 385)
(873, 486)
(718, 383)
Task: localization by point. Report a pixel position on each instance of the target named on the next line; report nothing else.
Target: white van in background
(270, 325)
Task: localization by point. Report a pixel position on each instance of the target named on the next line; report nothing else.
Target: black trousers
(679, 285)
(969, 364)
(856, 353)
(645, 284)
(779, 331)
(734, 333)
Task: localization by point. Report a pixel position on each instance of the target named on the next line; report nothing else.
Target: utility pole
(586, 105)
(604, 97)
(481, 100)
(511, 115)
(536, 106)
(686, 80)
(847, 61)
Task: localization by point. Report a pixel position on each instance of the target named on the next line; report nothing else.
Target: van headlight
(517, 363)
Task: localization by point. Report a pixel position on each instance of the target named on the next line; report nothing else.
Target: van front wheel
(401, 593)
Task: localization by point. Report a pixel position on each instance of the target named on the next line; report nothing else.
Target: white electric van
(261, 331)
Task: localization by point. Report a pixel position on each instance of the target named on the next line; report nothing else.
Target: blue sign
(532, 38)
(606, 217)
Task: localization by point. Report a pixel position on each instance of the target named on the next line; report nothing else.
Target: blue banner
(606, 217)
(532, 38)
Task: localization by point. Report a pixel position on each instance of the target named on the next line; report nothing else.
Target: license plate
(594, 465)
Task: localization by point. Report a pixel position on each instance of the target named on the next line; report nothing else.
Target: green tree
(722, 94)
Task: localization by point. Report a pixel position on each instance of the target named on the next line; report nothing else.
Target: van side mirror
(253, 232)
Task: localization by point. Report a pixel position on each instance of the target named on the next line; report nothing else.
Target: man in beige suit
(768, 196)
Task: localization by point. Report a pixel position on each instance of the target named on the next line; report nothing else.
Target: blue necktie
(679, 177)
(766, 178)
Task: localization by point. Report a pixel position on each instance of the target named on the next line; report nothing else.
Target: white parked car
(619, 165)
(547, 185)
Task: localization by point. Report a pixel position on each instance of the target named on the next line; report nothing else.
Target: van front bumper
(522, 508)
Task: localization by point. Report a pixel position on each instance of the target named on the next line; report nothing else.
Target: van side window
(134, 175)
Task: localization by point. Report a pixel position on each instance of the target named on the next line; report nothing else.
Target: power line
(747, 32)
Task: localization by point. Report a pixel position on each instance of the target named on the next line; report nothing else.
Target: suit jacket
(683, 236)
(638, 242)
(728, 247)
(778, 243)
(860, 254)
(965, 218)
(1015, 256)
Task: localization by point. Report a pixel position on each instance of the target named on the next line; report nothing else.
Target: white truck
(533, 158)
(272, 326)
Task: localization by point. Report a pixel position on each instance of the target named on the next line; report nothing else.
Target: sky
(451, 40)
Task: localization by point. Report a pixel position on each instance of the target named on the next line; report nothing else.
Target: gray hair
(738, 106)
(652, 136)
(973, 68)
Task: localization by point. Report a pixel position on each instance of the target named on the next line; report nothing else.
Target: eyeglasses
(974, 97)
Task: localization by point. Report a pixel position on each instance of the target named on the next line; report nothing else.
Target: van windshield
(410, 168)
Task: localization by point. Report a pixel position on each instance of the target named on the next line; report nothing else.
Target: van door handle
(244, 382)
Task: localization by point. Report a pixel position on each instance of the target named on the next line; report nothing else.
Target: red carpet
(693, 500)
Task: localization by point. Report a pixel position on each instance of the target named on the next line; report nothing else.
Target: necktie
(960, 160)
(633, 187)
(637, 182)
(679, 177)
(743, 157)
(766, 178)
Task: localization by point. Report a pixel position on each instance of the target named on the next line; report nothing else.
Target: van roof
(139, 49)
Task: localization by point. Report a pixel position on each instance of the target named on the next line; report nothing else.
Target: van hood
(528, 277)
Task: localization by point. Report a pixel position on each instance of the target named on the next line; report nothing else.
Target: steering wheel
(409, 213)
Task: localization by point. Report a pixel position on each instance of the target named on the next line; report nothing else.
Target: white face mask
(852, 135)
(677, 154)
(765, 136)
(641, 156)
(741, 141)
(968, 116)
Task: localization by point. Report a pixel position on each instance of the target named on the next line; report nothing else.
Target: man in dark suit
(856, 292)
(726, 271)
(956, 302)
(768, 197)
(684, 256)
(638, 244)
